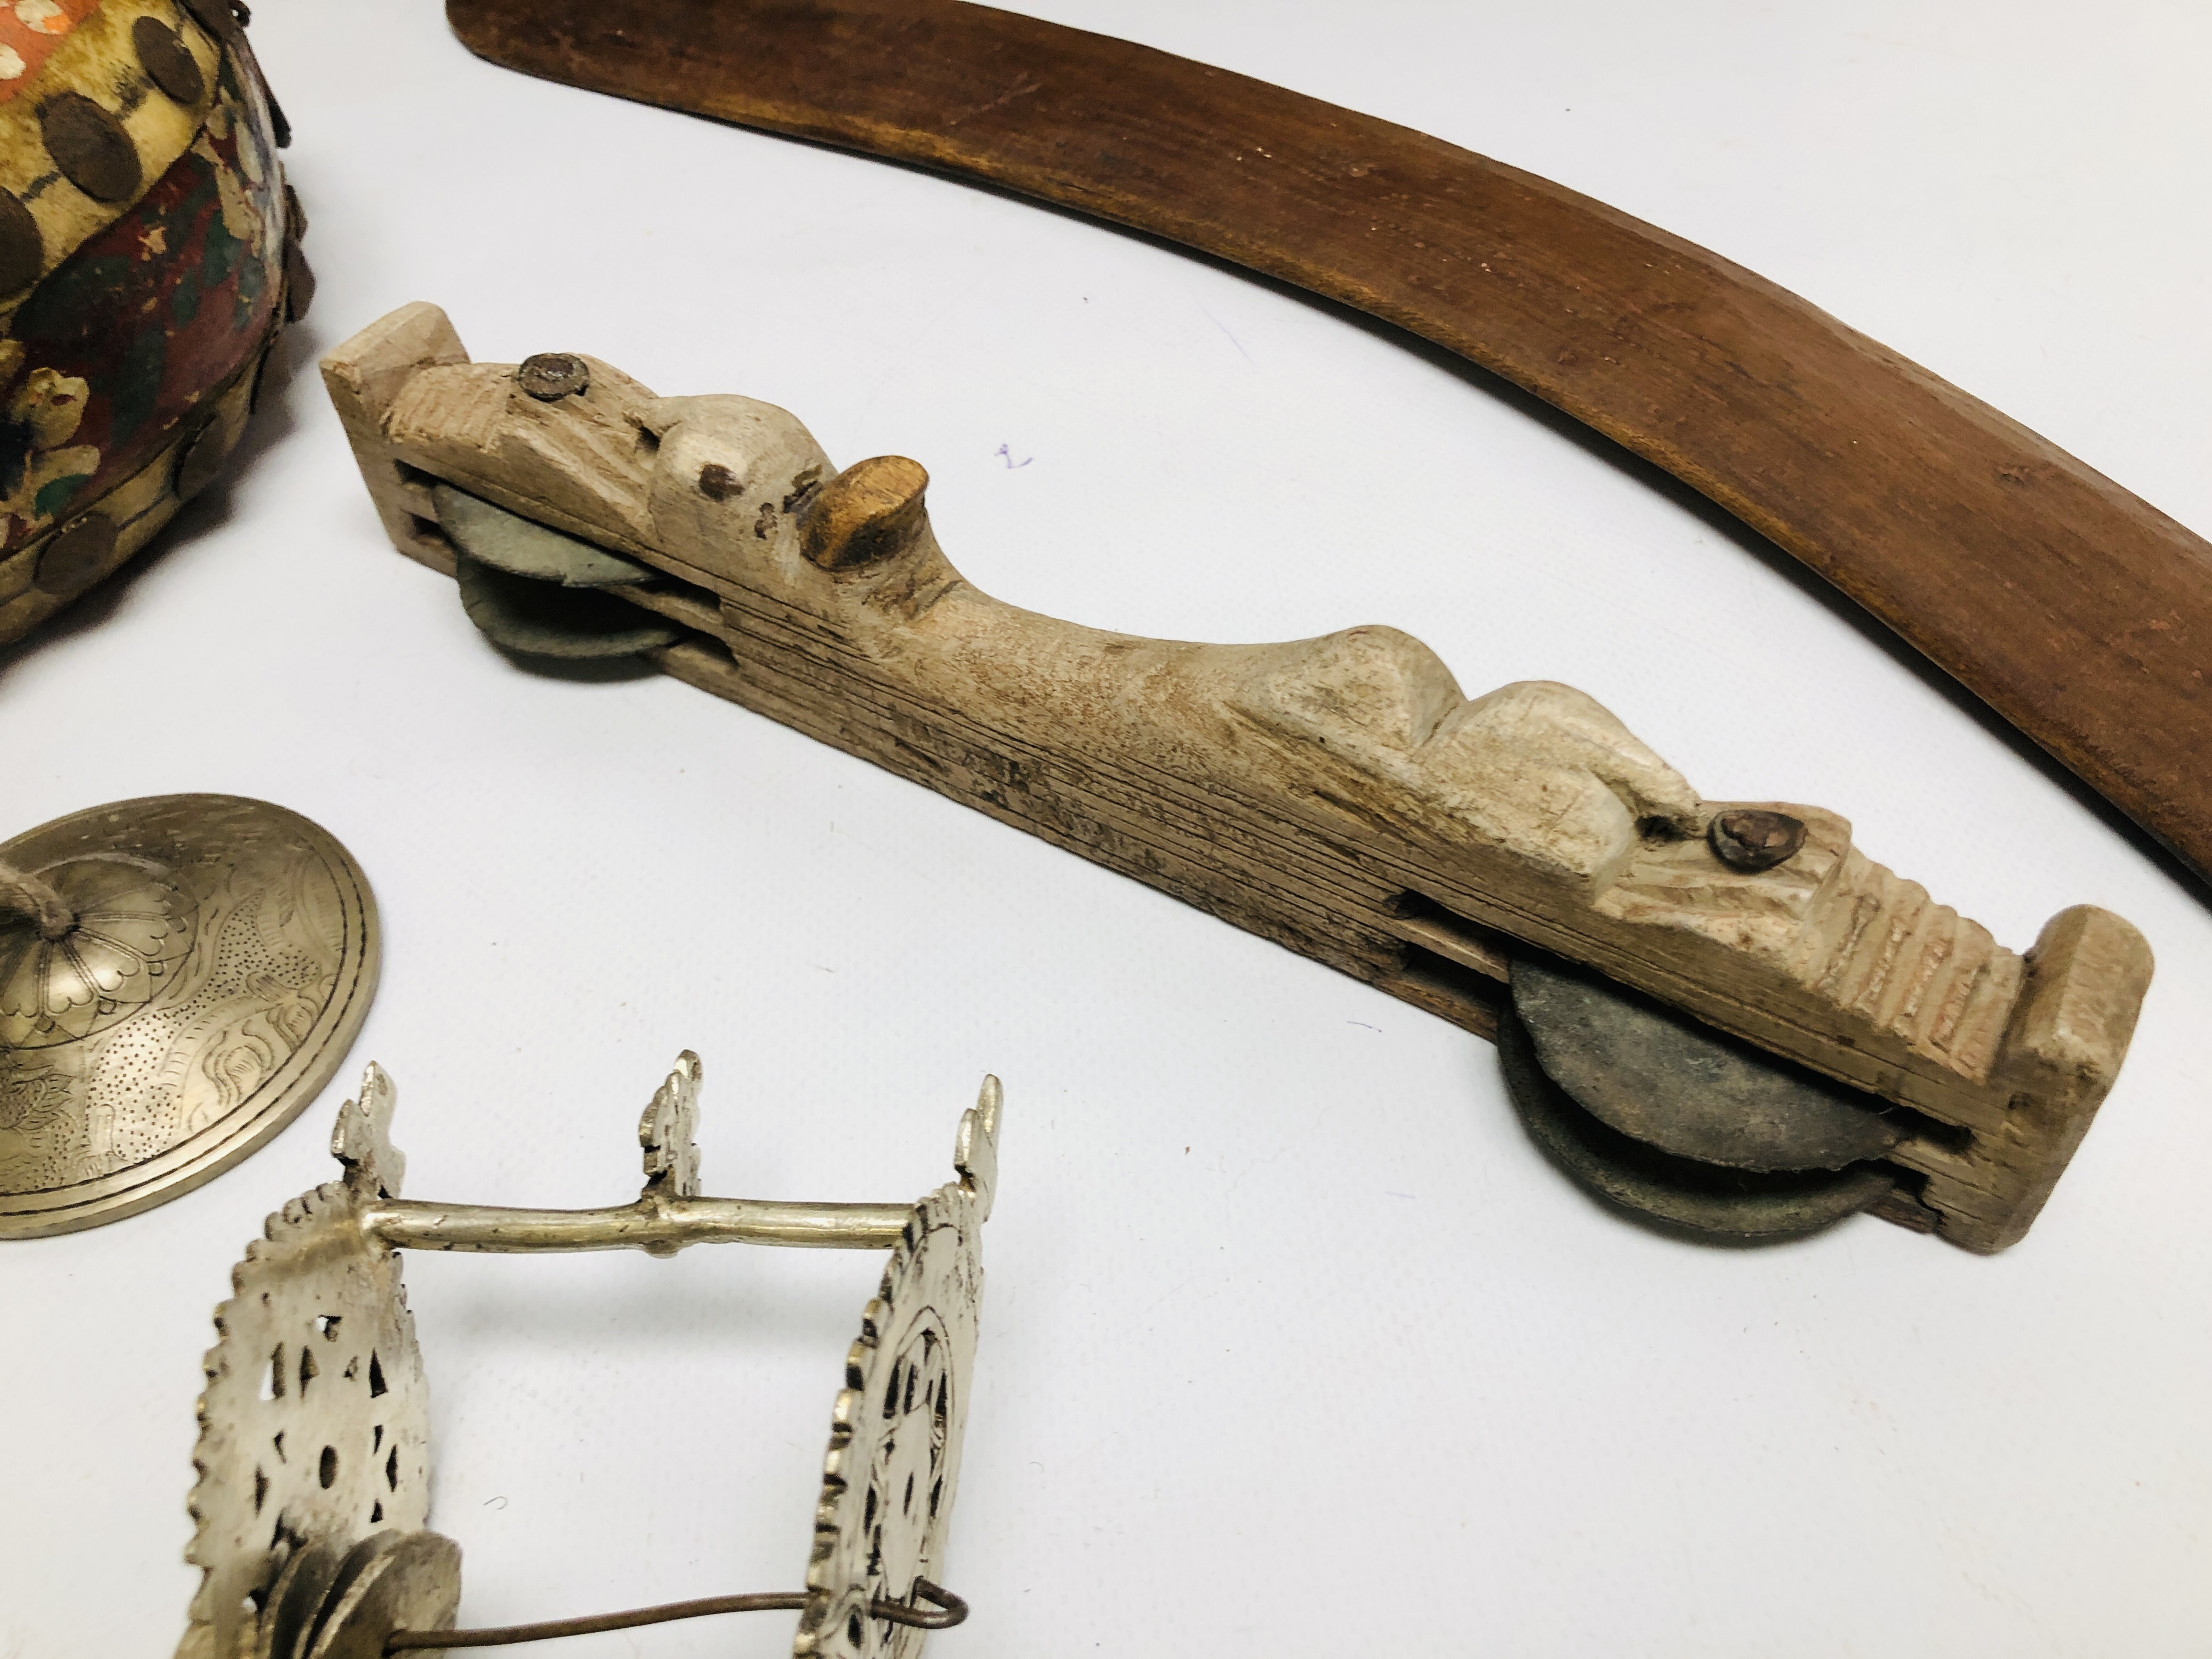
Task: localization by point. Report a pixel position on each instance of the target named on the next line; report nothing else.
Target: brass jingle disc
(389, 1582)
(223, 958)
(303, 1585)
(1678, 1192)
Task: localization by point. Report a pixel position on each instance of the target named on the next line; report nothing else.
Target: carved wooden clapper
(1719, 1014)
(313, 1497)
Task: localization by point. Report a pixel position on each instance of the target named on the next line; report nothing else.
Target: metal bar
(659, 1226)
(411, 1641)
(949, 1611)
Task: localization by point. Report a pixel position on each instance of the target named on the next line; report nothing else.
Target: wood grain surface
(1341, 796)
(2079, 612)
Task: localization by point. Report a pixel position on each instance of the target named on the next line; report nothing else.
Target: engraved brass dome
(204, 964)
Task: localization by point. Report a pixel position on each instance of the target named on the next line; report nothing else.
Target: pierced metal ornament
(894, 1460)
(180, 975)
(312, 1503)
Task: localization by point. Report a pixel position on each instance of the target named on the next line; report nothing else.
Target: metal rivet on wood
(554, 375)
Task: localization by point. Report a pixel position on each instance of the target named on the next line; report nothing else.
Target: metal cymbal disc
(1664, 1078)
(224, 954)
(535, 618)
(506, 541)
(1681, 1193)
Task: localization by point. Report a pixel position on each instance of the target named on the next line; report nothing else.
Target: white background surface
(1292, 1345)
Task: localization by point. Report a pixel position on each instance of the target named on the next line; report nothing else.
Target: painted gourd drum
(148, 258)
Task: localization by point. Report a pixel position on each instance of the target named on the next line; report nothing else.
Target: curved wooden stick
(1338, 795)
(2079, 612)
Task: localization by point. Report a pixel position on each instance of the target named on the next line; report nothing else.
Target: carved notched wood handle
(1339, 795)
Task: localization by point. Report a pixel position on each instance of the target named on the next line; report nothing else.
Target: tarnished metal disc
(1701, 1197)
(389, 1582)
(1665, 1080)
(544, 619)
(506, 541)
(78, 556)
(550, 376)
(303, 1585)
(223, 956)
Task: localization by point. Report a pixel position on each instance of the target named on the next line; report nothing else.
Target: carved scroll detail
(669, 1132)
